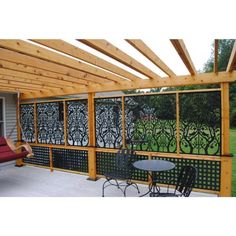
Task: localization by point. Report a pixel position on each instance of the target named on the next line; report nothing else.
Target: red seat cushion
(3, 141)
(10, 156)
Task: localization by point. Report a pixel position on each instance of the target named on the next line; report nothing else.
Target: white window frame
(4, 116)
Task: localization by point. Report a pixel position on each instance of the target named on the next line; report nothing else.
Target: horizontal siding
(10, 114)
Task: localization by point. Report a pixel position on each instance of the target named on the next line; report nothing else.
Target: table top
(154, 165)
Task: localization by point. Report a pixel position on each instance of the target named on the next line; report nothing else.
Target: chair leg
(103, 187)
(131, 184)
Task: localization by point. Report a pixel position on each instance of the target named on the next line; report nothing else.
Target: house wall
(10, 118)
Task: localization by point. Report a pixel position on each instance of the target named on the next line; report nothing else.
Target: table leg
(153, 188)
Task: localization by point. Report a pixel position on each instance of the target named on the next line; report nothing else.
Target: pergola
(37, 72)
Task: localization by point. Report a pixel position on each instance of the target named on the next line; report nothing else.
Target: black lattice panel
(105, 162)
(208, 172)
(150, 122)
(200, 123)
(50, 122)
(108, 122)
(67, 159)
(41, 156)
(77, 122)
(27, 122)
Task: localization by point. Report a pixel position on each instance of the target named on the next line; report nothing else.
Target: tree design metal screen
(150, 122)
(50, 122)
(27, 122)
(108, 122)
(77, 122)
(200, 123)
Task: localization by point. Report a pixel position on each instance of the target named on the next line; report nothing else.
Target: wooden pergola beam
(139, 45)
(110, 50)
(232, 59)
(216, 48)
(181, 49)
(67, 73)
(199, 79)
(81, 54)
(45, 54)
(37, 78)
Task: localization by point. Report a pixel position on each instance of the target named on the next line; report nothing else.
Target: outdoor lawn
(233, 151)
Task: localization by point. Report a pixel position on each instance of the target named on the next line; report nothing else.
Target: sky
(199, 50)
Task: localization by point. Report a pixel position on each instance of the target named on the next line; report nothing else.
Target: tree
(225, 48)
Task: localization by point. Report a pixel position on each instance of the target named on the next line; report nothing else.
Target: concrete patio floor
(31, 181)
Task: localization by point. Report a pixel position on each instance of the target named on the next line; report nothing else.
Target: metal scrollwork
(151, 122)
(27, 122)
(77, 122)
(108, 122)
(200, 123)
(50, 122)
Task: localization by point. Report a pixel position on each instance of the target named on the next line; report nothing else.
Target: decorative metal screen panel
(67, 159)
(208, 172)
(27, 122)
(77, 123)
(105, 163)
(150, 122)
(50, 122)
(108, 122)
(200, 123)
(41, 157)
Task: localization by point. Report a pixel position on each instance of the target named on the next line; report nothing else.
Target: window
(2, 122)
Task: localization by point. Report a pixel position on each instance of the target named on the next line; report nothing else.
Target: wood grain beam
(81, 54)
(69, 74)
(37, 79)
(216, 48)
(110, 50)
(48, 55)
(44, 74)
(232, 59)
(199, 79)
(139, 45)
(184, 55)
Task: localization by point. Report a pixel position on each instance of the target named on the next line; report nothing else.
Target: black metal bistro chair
(185, 183)
(123, 172)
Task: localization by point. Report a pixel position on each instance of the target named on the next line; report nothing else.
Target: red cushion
(4, 149)
(3, 141)
(10, 156)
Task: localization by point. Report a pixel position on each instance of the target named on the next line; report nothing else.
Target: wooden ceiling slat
(81, 54)
(45, 54)
(232, 59)
(110, 50)
(139, 45)
(77, 76)
(184, 55)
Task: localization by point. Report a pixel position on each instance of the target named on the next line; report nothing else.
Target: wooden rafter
(199, 79)
(232, 59)
(81, 54)
(110, 50)
(148, 53)
(36, 78)
(67, 73)
(184, 55)
(216, 47)
(45, 54)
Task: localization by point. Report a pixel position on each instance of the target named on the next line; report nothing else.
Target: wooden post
(177, 125)
(92, 142)
(226, 160)
(19, 162)
(123, 121)
(65, 123)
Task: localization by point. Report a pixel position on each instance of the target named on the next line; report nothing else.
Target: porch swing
(9, 151)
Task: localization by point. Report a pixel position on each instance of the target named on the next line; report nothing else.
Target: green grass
(233, 151)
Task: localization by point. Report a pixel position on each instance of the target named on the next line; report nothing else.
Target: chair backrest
(124, 159)
(186, 180)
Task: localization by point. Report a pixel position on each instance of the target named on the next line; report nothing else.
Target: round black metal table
(153, 167)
